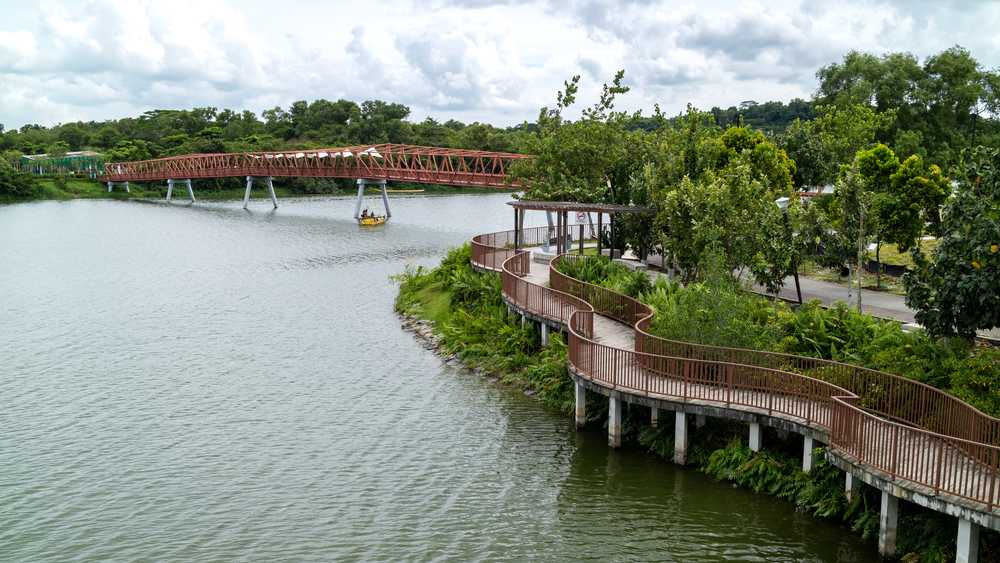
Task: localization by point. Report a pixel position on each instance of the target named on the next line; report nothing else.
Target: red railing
(902, 428)
(409, 163)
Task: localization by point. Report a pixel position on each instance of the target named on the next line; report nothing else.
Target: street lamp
(782, 203)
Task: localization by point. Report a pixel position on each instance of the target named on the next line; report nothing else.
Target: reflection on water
(207, 383)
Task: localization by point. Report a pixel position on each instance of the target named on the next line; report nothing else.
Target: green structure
(76, 163)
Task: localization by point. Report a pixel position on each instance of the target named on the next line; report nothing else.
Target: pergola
(562, 210)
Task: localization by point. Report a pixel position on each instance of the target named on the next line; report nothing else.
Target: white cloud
(469, 60)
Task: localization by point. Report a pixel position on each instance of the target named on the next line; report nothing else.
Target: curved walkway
(909, 439)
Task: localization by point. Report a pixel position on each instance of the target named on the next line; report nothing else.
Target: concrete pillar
(967, 546)
(361, 197)
(109, 187)
(270, 190)
(888, 518)
(246, 195)
(524, 320)
(190, 190)
(699, 421)
(170, 189)
(851, 486)
(581, 405)
(126, 188)
(615, 420)
(755, 436)
(807, 453)
(680, 437)
(654, 417)
(385, 200)
(545, 334)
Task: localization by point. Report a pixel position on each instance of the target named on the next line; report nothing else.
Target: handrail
(855, 407)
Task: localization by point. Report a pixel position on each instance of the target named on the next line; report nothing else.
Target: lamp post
(782, 203)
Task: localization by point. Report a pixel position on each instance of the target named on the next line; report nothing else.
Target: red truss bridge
(382, 162)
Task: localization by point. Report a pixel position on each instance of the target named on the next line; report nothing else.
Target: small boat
(372, 221)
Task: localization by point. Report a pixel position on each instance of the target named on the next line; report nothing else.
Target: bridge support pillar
(190, 190)
(270, 191)
(967, 545)
(170, 189)
(362, 183)
(888, 518)
(680, 437)
(851, 485)
(246, 194)
(615, 420)
(699, 421)
(581, 405)
(545, 334)
(524, 320)
(807, 453)
(754, 436)
(654, 417)
(385, 200)
(111, 186)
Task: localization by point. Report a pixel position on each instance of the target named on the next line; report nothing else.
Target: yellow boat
(371, 221)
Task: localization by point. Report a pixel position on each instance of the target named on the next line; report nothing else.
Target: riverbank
(66, 188)
(717, 447)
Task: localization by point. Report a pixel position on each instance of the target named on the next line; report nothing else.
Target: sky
(472, 60)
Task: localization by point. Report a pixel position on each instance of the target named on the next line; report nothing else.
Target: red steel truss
(407, 163)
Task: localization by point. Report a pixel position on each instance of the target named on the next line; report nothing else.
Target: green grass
(890, 254)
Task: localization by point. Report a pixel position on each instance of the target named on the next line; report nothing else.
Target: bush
(16, 184)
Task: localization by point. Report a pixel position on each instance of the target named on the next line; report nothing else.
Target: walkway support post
(246, 195)
(581, 405)
(888, 518)
(385, 200)
(654, 417)
(170, 189)
(545, 334)
(807, 453)
(615, 420)
(190, 190)
(754, 436)
(270, 190)
(967, 545)
(680, 437)
(851, 485)
(699, 421)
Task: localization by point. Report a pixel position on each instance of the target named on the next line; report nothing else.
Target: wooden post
(599, 229)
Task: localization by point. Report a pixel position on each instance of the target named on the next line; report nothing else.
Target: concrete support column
(270, 191)
(851, 485)
(680, 437)
(581, 405)
(246, 195)
(109, 187)
(361, 197)
(754, 436)
(385, 200)
(967, 545)
(888, 518)
(699, 421)
(615, 420)
(807, 453)
(126, 188)
(524, 320)
(545, 334)
(190, 190)
(170, 189)
(654, 417)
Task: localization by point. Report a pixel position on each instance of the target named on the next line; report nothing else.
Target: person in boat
(364, 214)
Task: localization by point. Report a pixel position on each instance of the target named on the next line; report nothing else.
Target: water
(209, 384)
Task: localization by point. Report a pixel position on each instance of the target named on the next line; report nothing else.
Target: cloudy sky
(494, 61)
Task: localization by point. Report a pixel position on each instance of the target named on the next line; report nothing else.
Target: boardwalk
(908, 439)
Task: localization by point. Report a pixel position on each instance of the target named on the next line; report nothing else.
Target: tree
(14, 183)
(912, 206)
(957, 290)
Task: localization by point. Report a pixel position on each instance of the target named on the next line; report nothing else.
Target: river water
(204, 383)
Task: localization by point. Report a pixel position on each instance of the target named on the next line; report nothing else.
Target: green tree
(957, 290)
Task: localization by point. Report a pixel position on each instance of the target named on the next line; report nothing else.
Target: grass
(868, 280)
(890, 254)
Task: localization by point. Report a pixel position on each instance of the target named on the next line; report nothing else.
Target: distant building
(74, 163)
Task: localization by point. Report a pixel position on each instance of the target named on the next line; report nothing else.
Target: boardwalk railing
(899, 427)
